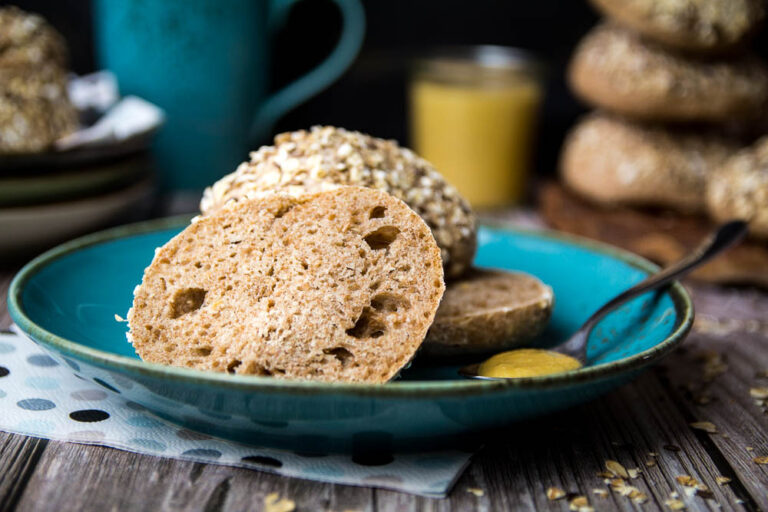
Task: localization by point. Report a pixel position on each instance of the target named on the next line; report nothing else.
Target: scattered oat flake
(616, 468)
(675, 504)
(671, 448)
(580, 504)
(722, 480)
(555, 493)
(760, 460)
(759, 393)
(653, 454)
(687, 480)
(605, 474)
(274, 503)
(706, 426)
(650, 463)
(749, 448)
(634, 473)
(637, 496)
(477, 492)
(118, 318)
(600, 492)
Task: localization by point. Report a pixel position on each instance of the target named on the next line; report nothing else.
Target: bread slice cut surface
(336, 286)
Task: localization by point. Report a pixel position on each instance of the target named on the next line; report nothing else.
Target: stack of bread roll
(679, 98)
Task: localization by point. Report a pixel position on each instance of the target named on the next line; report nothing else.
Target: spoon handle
(725, 236)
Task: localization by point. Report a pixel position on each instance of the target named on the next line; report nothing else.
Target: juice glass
(473, 115)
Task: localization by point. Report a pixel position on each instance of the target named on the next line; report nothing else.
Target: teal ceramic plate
(66, 300)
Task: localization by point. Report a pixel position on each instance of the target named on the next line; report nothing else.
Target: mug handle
(303, 88)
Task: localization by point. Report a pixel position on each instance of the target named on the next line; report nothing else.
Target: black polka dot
(4, 371)
(72, 364)
(105, 385)
(41, 360)
(36, 404)
(262, 461)
(373, 458)
(202, 452)
(89, 415)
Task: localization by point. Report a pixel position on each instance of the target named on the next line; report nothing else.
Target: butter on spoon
(572, 353)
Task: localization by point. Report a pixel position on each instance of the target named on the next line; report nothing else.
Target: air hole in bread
(367, 326)
(187, 300)
(198, 264)
(340, 353)
(202, 351)
(388, 303)
(283, 210)
(232, 366)
(378, 212)
(382, 237)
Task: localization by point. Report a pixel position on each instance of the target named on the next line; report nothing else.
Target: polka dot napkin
(40, 398)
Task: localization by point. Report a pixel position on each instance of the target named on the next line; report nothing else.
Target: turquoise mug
(206, 63)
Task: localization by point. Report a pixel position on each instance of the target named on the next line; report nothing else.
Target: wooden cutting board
(661, 236)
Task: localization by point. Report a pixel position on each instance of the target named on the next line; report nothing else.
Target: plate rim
(399, 389)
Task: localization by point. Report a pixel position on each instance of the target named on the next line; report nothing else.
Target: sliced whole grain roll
(614, 69)
(488, 311)
(325, 157)
(691, 25)
(611, 161)
(340, 285)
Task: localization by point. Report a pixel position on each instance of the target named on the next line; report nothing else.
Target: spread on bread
(527, 362)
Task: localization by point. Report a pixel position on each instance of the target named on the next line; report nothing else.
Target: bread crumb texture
(340, 285)
(326, 157)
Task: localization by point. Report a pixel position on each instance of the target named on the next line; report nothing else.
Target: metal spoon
(725, 236)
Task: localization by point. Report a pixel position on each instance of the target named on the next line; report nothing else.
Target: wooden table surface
(645, 425)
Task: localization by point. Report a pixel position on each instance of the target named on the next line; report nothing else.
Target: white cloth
(41, 398)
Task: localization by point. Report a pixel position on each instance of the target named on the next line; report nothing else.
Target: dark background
(370, 97)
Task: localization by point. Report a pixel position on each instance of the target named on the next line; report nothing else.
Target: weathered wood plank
(74, 477)
(18, 459)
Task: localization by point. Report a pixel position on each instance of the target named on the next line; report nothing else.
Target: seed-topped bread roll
(739, 189)
(34, 108)
(615, 69)
(26, 39)
(694, 25)
(340, 285)
(488, 310)
(612, 161)
(324, 157)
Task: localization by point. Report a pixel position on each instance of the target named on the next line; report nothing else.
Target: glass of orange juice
(473, 115)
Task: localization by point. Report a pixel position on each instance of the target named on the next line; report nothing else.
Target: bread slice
(488, 311)
(336, 286)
